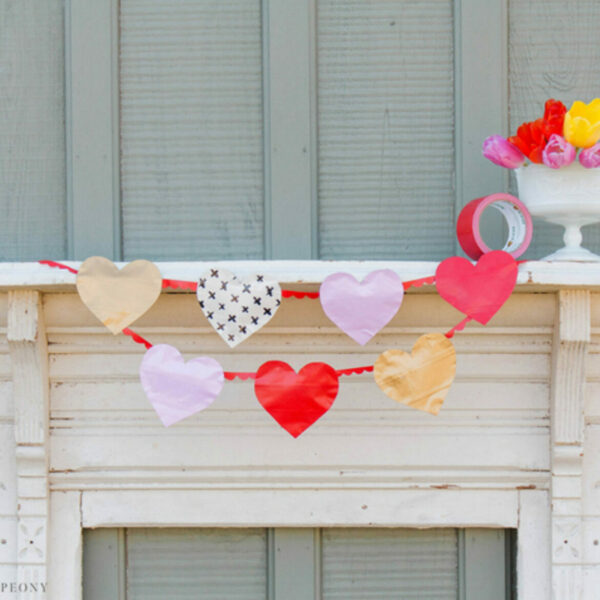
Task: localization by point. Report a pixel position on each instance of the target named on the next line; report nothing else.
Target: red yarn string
(459, 327)
(193, 286)
(419, 282)
(231, 375)
(138, 339)
(178, 284)
(299, 295)
(355, 370)
(57, 265)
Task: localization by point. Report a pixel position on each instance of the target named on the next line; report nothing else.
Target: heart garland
(362, 309)
(236, 308)
(118, 297)
(478, 290)
(421, 379)
(177, 389)
(296, 401)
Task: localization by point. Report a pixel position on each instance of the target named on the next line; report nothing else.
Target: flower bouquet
(552, 183)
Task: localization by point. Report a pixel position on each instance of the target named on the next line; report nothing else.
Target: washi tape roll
(518, 219)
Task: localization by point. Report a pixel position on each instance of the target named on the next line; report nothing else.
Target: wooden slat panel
(32, 137)
(553, 53)
(386, 155)
(211, 564)
(191, 126)
(390, 563)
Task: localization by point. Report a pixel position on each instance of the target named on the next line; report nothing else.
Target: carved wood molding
(571, 340)
(28, 350)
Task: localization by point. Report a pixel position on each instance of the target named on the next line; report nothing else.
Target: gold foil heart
(118, 297)
(420, 379)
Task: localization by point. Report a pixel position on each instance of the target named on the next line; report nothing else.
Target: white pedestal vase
(569, 196)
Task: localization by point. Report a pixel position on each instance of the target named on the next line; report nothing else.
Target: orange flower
(531, 140)
(532, 137)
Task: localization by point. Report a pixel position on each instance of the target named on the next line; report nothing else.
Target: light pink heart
(361, 309)
(178, 389)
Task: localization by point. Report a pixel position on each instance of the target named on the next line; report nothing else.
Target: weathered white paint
(28, 351)
(488, 460)
(534, 573)
(532, 273)
(572, 336)
(64, 560)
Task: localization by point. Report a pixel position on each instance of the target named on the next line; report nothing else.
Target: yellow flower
(582, 124)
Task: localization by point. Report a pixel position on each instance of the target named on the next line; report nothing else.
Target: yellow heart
(116, 297)
(420, 379)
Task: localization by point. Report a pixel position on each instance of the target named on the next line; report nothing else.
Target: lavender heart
(178, 389)
(361, 309)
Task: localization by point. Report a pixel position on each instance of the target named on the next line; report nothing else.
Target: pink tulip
(502, 153)
(558, 152)
(590, 157)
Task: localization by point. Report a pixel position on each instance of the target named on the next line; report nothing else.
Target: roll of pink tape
(518, 219)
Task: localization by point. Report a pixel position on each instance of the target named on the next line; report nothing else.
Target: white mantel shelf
(532, 274)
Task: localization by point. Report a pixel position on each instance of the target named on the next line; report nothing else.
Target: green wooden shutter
(257, 128)
(386, 129)
(212, 564)
(390, 563)
(191, 129)
(32, 135)
(297, 564)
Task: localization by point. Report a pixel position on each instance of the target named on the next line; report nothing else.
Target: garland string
(137, 338)
(181, 284)
(57, 265)
(459, 327)
(231, 375)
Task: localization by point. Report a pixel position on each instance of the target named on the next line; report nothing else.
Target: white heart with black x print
(237, 308)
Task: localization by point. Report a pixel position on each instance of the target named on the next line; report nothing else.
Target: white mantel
(89, 451)
(537, 273)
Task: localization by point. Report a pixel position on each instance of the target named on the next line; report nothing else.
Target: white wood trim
(28, 349)
(533, 545)
(64, 561)
(312, 508)
(572, 335)
(92, 126)
(532, 275)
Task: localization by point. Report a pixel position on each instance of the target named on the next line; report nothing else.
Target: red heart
(296, 401)
(477, 290)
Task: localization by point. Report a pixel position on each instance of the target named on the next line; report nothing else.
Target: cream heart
(118, 297)
(237, 308)
(420, 379)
